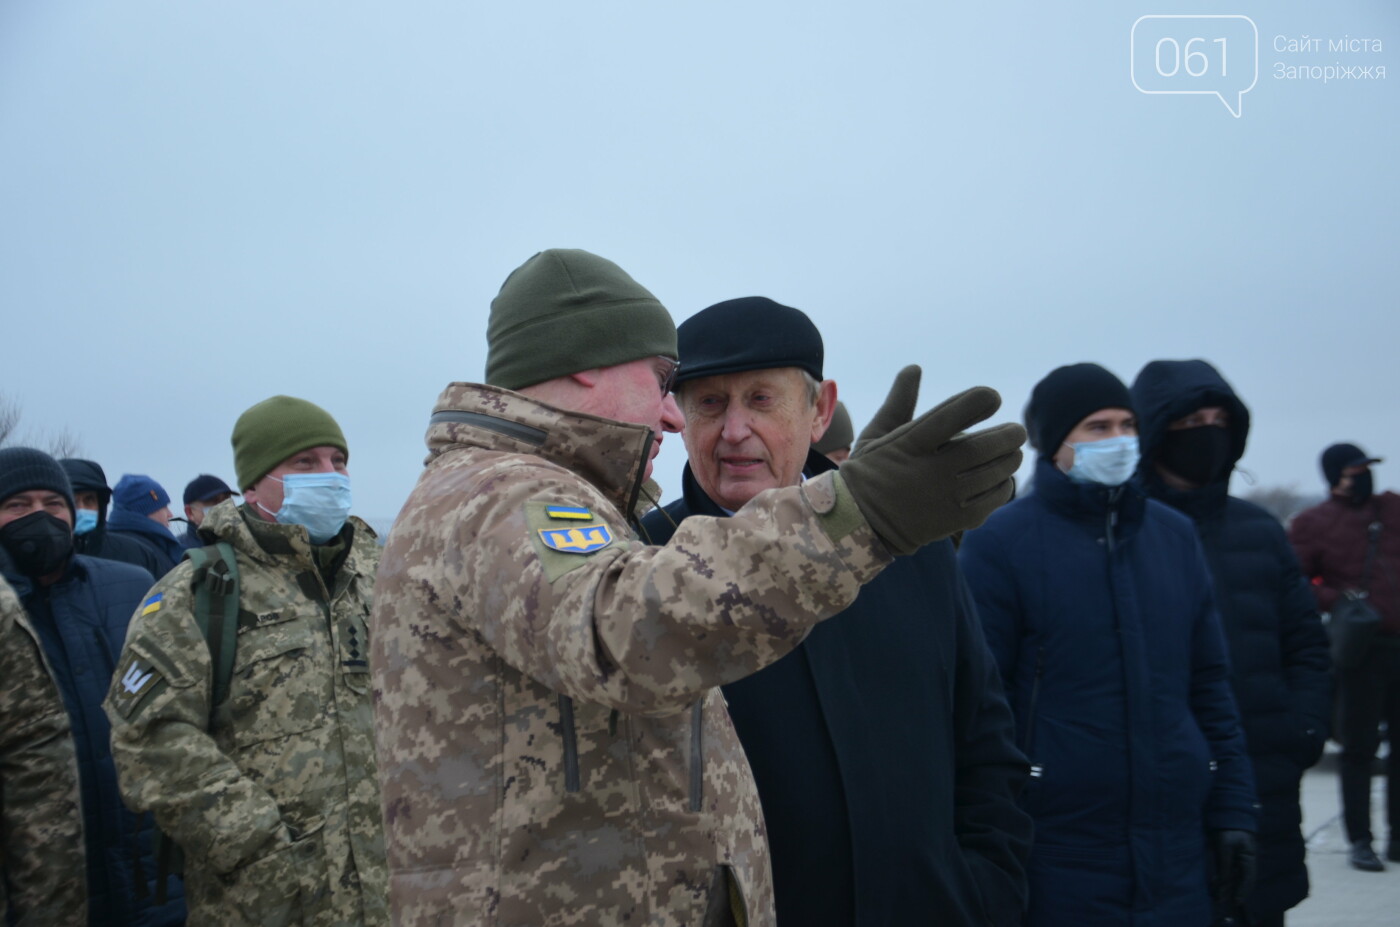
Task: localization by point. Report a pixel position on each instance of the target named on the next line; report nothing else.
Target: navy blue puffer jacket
(1098, 608)
(1278, 649)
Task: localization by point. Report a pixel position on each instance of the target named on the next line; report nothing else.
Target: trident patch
(134, 681)
(579, 540)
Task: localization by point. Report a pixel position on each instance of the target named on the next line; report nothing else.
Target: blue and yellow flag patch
(579, 540)
(568, 512)
(152, 604)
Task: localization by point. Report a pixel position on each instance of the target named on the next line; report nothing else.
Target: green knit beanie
(566, 310)
(839, 435)
(277, 428)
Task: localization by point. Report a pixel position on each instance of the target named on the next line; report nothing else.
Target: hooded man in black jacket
(90, 535)
(883, 746)
(1192, 430)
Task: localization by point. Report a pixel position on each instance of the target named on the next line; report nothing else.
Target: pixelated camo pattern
(278, 811)
(554, 748)
(41, 824)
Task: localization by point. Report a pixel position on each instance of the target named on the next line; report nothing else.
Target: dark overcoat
(884, 756)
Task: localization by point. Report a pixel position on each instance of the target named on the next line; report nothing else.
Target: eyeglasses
(666, 371)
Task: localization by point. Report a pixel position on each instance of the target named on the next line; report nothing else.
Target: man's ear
(826, 408)
(586, 378)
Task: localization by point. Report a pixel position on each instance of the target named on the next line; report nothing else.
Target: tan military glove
(922, 480)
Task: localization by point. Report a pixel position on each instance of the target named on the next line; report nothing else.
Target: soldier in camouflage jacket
(41, 858)
(276, 806)
(553, 746)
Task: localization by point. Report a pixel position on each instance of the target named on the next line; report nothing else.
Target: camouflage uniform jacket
(554, 747)
(41, 857)
(277, 806)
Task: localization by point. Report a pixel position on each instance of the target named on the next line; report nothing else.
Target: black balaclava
(1199, 455)
(1362, 486)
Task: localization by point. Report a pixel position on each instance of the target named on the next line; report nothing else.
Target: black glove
(1234, 866)
(923, 480)
(898, 408)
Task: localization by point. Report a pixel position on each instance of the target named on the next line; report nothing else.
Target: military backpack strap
(216, 598)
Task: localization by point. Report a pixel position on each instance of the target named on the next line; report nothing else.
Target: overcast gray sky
(205, 204)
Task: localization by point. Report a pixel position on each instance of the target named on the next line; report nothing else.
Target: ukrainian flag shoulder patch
(152, 604)
(577, 540)
(569, 512)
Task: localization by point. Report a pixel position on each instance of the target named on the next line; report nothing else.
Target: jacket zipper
(566, 724)
(1036, 768)
(697, 772)
(1111, 521)
(631, 507)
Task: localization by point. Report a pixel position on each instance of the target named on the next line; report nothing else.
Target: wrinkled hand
(923, 480)
(898, 408)
(1234, 866)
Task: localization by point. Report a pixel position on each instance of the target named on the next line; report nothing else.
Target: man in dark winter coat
(882, 746)
(1098, 608)
(1192, 429)
(201, 494)
(79, 607)
(91, 494)
(1334, 541)
(141, 513)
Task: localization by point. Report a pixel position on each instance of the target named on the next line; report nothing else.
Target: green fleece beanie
(277, 428)
(565, 310)
(840, 435)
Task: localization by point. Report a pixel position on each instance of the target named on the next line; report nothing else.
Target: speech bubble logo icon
(1211, 54)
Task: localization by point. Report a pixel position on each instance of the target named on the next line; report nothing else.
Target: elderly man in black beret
(882, 746)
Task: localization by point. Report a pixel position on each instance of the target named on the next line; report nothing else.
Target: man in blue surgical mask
(1100, 613)
(263, 771)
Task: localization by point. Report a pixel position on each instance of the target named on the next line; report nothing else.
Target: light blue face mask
(85, 521)
(318, 501)
(1109, 462)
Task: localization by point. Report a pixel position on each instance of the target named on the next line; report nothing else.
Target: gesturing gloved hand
(1234, 866)
(898, 408)
(923, 480)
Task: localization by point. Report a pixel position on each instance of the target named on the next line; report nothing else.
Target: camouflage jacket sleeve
(42, 824)
(648, 629)
(167, 761)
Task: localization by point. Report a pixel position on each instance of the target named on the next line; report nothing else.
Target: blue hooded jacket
(1098, 609)
(162, 543)
(81, 622)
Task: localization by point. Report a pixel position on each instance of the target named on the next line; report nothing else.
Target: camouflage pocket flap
(271, 640)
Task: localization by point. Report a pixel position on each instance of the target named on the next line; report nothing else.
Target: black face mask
(1197, 455)
(38, 543)
(1361, 487)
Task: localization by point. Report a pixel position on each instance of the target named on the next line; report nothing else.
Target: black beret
(751, 333)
